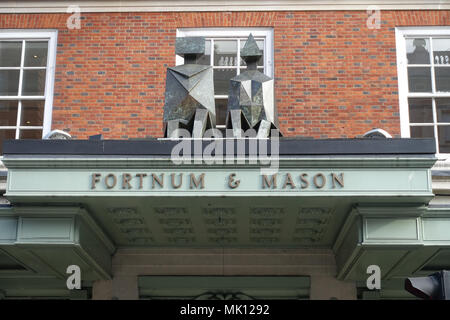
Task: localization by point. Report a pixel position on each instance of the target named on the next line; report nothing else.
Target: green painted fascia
(65, 211)
(414, 249)
(80, 236)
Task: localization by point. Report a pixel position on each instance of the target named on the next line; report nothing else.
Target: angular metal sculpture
(251, 102)
(189, 99)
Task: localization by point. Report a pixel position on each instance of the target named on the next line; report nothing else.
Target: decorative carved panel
(267, 240)
(222, 231)
(223, 212)
(175, 222)
(223, 240)
(170, 211)
(220, 222)
(267, 212)
(178, 231)
(265, 222)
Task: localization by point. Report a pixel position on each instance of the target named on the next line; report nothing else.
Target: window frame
(234, 32)
(401, 34)
(34, 35)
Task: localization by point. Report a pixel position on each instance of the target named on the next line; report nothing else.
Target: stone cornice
(42, 162)
(218, 5)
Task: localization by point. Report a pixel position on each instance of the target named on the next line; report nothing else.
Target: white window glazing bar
(428, 95)
(22, 97)
(238, 56)
(19, 106)
(30, 128)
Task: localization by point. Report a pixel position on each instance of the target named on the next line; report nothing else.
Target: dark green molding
(403, 241)
(46, 240)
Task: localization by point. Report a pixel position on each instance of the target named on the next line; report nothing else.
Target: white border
(47, 6)
(51, 35)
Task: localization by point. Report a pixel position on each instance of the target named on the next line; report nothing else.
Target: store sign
(173, 181)
(217, 181)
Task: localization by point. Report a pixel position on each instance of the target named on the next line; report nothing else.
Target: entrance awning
(367, 199)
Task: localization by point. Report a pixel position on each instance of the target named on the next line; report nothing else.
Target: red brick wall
(334, 76)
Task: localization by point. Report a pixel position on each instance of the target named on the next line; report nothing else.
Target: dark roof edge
(155, 147)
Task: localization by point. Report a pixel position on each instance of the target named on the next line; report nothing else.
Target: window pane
(9, 82)
(6, 135)
(260, 44)
(10, 53)
(443, 110)
(420, 111)
(441, 48)
(422, 132)
(32, 113)
(444, 139)
(221, 111)
(418, 51)
(206, 59)
(225, 53)
(33, 82)
(8, 113)
(222, 80)
(442, 79)
(30, 134)
(419, 79)
(36, 53)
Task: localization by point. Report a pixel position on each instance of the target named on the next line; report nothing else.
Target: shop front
(306, 224)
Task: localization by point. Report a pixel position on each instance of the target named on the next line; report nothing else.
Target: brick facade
(334, 76)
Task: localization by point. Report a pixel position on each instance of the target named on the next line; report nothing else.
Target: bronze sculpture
(189, 98)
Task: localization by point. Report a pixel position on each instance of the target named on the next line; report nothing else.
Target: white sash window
(423, 61)
(27, 67)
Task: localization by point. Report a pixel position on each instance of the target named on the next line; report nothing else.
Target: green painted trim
(260, 287)
(414, 249)
(56, 228)
(8, 228)
(397, 267)
(344, 229)
(97, 268)
(45, 230)
(346, 269)
(402, 210)
(391, 230)
(87, 218)
(16, 162)
(437, 213)
(4, 272)
(63, 211)
(39, 287)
